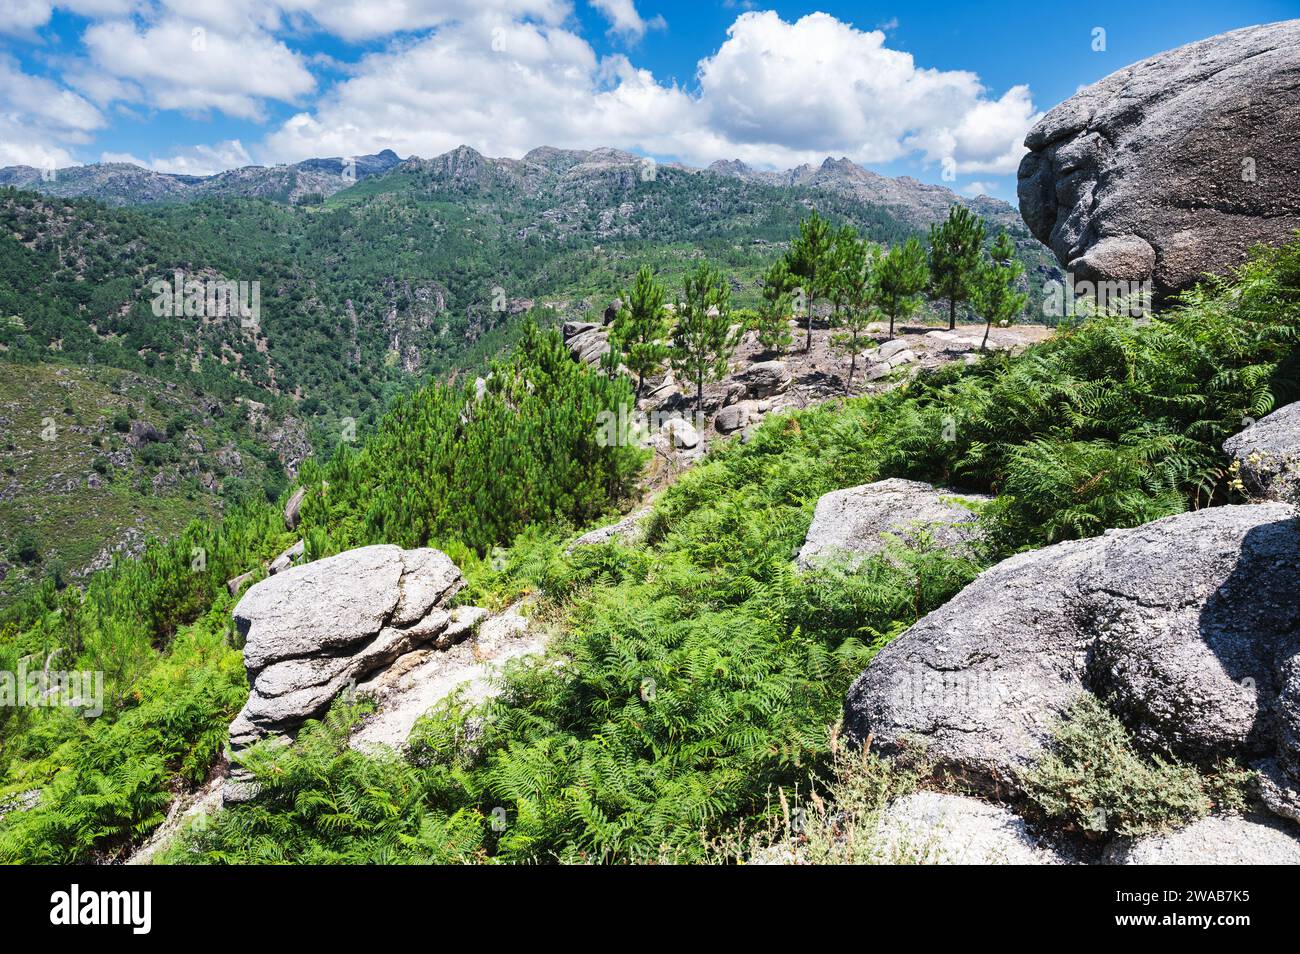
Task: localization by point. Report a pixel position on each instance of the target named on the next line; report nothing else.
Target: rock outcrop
(1174, 166)
(941, 828)
(1267, 454)
(410, 687)
(314, 630)
(858, 523)
(1188, 628)
(587, 341)
(630, 530)
(765, 379)
(293, 508)
(1216, 840)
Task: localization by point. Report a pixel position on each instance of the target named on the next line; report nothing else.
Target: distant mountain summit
(122, 183)
(915, 202)
(543, 169)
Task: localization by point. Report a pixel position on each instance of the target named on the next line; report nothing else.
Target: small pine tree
(772, 321)
(703, 340)
(856, 263)
(641, 328)
(994, 295)
(843, 263)
(901, 279)
(955, 258)
(807, 261)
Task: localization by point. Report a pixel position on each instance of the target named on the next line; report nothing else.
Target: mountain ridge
(915, 202)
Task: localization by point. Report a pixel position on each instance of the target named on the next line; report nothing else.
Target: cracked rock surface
(1188, 628)
(1174, 166)
(1268, 454)
(858, 522)
(314, 630)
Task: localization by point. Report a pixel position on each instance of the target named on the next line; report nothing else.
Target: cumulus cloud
(775, 93)
(816, 86)
(506, 75)
(202, 160)
(367, 19)
(178, 65)
(624, 19)
(24, 16)
(502, 89)
(40, 119)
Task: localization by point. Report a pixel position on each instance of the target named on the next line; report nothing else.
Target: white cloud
(507, 75)
(39, 119)
(624, 19)
(976, 188)
(24, 16)
(502, 89)
(178, 65)
(775, 93)
(366, 19)
(816, 86)
(199, 160)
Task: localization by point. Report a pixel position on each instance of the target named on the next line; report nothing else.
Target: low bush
(1096, 782)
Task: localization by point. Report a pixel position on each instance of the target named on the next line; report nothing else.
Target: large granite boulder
(314, 630)
(1174, 166)
(471, 667)
(946, 829)
(765, 379)
(293, 508)
(1188, 628)
(859, 522)
(1268, 455)
(1216, 840)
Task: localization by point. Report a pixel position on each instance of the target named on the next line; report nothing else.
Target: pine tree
(641, 327)
(703, 340)
(843, 262)
(995, 295)
(955, 258)
(772, 324)
(807, 261)
(856, 263)
(901, 278)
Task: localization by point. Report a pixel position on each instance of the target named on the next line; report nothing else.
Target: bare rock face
(1174, 166)
(1268, 455)
(765, 379)
(946, 829)
(1188, 628)
(410, 687)
(857, 522)
(314, 630)
(629, 531)
(1216, 840)
(293, 508)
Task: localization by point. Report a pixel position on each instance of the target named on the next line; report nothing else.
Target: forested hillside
(422, 268)
(1110, 424)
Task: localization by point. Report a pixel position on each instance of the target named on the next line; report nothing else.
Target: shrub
(1095, 781)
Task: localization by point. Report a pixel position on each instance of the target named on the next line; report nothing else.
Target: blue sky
(940, 91)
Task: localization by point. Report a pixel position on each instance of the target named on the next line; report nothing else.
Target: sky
(944, 92)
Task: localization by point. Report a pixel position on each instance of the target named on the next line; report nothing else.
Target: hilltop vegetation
(420, 269)
(691, 677)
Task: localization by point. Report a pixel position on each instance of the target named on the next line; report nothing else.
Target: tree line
(861, 282)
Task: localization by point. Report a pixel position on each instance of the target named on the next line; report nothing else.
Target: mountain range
(375, 273)
(914, 202)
